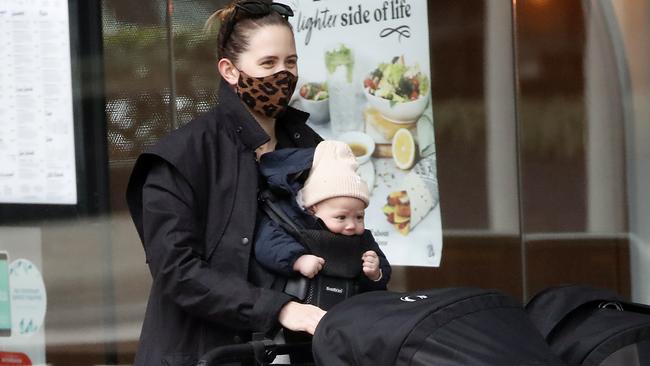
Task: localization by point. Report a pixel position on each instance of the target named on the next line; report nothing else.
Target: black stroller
(588, 326)
(450, 327)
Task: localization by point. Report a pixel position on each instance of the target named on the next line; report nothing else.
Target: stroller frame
(262, 351)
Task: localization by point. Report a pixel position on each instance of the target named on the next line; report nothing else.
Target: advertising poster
(364, 77)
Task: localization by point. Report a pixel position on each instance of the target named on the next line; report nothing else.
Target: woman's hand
(371, 265)
(300, 317)
(308, 265)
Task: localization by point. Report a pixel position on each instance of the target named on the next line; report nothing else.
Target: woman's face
(271, 49)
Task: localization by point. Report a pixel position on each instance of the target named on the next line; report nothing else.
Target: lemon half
(403, 149)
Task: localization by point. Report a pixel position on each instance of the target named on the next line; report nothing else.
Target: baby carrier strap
(275, 213)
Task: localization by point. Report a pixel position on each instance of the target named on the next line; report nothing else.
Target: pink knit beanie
(333, 174)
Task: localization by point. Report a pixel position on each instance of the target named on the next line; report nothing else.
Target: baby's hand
(371, 265)
(308, 265)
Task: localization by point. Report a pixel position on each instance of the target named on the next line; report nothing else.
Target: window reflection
(571, 120)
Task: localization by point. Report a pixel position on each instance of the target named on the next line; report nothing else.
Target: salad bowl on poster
(398, 112)
(398, 91)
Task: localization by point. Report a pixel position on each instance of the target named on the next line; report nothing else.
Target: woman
(193, 198)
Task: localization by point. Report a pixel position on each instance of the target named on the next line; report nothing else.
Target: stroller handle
(233, 351)
(261, 351)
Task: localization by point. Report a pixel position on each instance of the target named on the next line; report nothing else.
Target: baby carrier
(592, 327)
(450, 327)
(337, 280)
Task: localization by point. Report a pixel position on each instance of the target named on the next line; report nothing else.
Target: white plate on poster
(367, 173)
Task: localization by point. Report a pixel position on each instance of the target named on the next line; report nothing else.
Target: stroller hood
(585, 325)
(550, 306)
(451, 327)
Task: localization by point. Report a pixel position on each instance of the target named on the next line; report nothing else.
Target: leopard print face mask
(269, 95)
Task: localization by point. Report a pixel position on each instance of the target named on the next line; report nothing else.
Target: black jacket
(193, 199)
(284, 171)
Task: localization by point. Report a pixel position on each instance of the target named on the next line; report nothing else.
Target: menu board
(37, 147)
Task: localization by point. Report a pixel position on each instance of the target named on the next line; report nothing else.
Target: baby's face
(342, 215)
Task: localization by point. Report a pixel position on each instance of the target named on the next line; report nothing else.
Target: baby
(333, 197)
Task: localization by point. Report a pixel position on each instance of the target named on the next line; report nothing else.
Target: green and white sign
(28, 298)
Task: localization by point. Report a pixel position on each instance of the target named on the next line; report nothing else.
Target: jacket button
(239, 129)
(244, 240)
(296, 135)
(236, 339)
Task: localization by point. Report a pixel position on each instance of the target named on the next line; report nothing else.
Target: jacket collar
(280, 167)
(244, 124)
